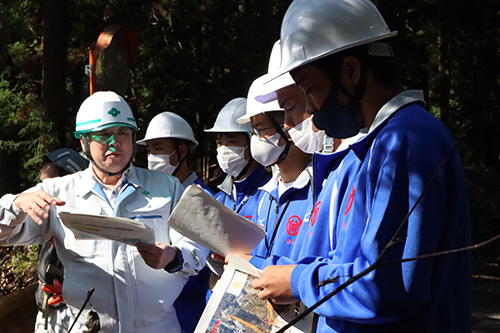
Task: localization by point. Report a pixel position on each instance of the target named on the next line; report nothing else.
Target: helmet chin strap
(245, 169)
(179, 159)
(89, 157)
(284, 154)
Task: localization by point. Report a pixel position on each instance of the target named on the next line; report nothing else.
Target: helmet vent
(379, 49)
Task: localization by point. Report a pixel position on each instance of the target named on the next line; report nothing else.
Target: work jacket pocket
(154, 213)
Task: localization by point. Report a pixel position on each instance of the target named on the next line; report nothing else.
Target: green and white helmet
(102, 110)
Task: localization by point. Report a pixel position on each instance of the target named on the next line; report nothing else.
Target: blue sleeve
(204, 186)
(389, 183)
(262, 263)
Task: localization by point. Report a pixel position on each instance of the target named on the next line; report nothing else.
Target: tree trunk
(443, 75)
(55, 44)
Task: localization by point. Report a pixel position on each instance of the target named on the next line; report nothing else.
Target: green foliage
(25, 129)
(24, 258)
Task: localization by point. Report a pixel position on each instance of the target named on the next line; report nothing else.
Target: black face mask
(338, 121)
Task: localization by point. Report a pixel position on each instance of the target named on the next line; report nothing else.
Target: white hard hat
(253, 106)
(226, 119)
(102, 110)
(313, 29)
(285, 80)
(168, 125)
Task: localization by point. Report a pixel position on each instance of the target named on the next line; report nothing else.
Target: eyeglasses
(258, 131)
(110, 138)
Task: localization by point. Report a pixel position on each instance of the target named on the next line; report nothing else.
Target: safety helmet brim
(314, 29)
(103, 127)
(299, 63)
(193, 142)
(268, 93)
(226, 121)
(143, 142)
(255, 107)
(168, 125)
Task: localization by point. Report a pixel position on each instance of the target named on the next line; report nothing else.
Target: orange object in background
(115, 53)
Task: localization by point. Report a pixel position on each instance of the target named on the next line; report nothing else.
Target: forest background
(196, 55)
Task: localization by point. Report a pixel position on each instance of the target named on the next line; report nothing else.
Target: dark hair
(384, 69)
(180, 142)
(233, 134)
(60, 171)
(279, 116)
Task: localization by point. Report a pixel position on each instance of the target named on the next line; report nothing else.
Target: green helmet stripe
(131, 119)
(89, 122)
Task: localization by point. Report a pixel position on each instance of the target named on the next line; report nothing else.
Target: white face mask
(161, 163)
(305, 138)
(266, 151)
(231, 159)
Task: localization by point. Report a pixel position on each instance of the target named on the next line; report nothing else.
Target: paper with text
(201, 218)
(119, 229)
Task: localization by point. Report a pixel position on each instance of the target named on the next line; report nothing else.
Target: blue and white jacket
(285, 218)
(242, 196)
(397, 160)
(193, 179)
(330, 174)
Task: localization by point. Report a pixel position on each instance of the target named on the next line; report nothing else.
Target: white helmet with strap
(169, 125)
(269, 89)
(253, 106)
(313, 29)
(226, 119)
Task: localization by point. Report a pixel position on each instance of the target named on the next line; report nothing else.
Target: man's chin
(114, 166)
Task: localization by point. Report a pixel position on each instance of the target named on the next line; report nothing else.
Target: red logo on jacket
(350, 201)
(314, 214)
(293, 225)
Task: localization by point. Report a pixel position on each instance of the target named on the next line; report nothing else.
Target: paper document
(119, 229)
(235, 307)
(201, 218)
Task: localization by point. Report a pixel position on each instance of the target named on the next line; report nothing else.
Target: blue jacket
(396, 161)
(285, 219)
(197, 181)
(246, 192)
(330, 175)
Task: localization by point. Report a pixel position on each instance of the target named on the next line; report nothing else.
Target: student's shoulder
(414, 119)
(204, 186)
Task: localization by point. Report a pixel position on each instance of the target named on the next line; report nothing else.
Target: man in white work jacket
(135, 286)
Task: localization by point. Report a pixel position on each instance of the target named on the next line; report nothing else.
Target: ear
(352, 67)
(82, 143)
(183, 150)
